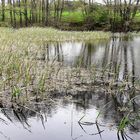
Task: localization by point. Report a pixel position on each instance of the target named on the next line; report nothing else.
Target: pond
(85, 115)
(117, 54)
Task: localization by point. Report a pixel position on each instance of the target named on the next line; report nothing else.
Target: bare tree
(126, 9)
(10, 11)
(14, 13)
(3, 9)
(20, 13)
(25, 13)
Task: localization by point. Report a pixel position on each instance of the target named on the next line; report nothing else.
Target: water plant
(24, 65)
(40, 35)
(16, 92)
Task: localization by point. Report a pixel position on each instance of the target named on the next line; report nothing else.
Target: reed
(40, 35)
(26, 72)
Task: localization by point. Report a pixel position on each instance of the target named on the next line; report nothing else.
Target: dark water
(60, 119)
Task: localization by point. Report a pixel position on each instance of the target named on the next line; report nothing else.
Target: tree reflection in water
(117, 58)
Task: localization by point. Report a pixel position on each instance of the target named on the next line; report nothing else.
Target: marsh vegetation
(85, 82)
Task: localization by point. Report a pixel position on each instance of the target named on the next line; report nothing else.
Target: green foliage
(137, 17)
(16, 92)
(96, 15)
(72, 16)
(124, 122)
(71, 13)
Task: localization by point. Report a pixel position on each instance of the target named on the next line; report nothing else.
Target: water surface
(60, 119)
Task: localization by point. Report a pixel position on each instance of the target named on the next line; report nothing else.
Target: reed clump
(41, 35)
(26, 73)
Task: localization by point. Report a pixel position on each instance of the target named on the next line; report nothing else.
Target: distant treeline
(110, 15)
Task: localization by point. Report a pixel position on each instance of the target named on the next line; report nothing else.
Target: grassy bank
(40, 35)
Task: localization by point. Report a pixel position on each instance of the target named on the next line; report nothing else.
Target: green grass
(72, 16)
(137, 18)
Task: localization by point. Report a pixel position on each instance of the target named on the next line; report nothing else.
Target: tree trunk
(25, 13)
(11, 13)
(14, 14)
(47, 13)
(3, 10)
(20, 14)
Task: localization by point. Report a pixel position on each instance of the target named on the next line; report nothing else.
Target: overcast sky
(99, 1)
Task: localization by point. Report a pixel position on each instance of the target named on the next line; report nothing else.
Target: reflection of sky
(100, 54)
(137, 55)
(71, 49)
(63, 124)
